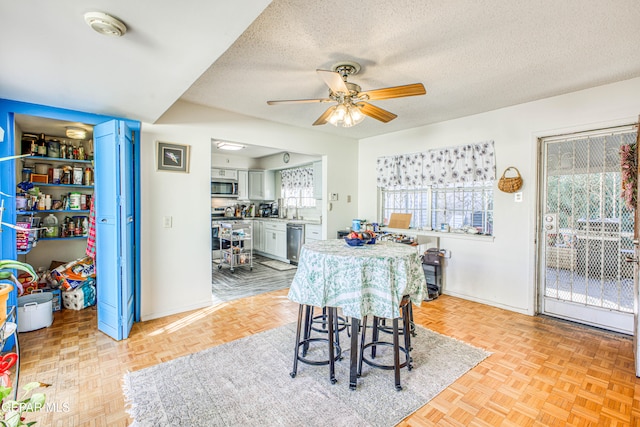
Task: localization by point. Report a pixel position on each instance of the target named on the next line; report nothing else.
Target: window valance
(298, 178)
(450, 165)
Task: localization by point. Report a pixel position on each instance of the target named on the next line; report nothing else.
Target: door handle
(631, 258)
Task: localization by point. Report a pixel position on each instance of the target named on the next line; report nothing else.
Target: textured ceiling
(472, 56)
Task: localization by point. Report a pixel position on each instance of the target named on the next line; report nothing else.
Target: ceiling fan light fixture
(76, 133)
(229, 146)
(346, 115)
(105, 24)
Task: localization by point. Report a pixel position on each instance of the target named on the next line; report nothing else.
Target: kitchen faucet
(295, 205)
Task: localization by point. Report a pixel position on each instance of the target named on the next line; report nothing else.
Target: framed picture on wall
(172, 157)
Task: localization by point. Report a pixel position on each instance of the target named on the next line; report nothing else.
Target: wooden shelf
(56, 159)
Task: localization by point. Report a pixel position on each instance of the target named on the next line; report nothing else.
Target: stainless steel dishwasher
(295, 239)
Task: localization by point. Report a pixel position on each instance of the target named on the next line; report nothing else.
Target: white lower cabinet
(275, 239)
(258, 235)
(312, 232)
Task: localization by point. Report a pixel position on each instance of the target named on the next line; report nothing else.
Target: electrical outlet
(518, 196)
(166, 221)
(333, 197)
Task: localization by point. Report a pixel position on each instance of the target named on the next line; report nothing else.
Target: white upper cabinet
(262, 185)
(224, 174)
(317, 180)
(243, 185)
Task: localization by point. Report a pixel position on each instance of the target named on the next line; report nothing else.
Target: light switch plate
(333, 197)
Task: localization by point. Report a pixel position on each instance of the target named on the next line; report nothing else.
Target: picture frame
(172, 157)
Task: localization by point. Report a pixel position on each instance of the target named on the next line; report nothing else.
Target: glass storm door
(586, 231)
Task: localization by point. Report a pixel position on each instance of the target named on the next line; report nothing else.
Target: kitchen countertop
(274, 219)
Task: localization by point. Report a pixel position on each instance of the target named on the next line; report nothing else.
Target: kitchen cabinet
(275, 239)
(243, 185)
(317, 180)
(258, 235)
(312, 232)
(262, 185)
(224, 174)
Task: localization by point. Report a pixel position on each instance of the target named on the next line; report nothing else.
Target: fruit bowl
(359, 242)
(354, 242)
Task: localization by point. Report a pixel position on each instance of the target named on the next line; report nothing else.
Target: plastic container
(26, 174)
(42, 168)
(35, 311)
(21, 203)
(5, 289)
(75, 201)
(51, 223)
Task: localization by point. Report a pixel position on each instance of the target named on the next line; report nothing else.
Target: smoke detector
(105, 24)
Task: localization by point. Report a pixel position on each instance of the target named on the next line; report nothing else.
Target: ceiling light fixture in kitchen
(76, 133)
(222, 145)
(105, 24)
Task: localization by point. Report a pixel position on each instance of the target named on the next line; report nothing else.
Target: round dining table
(367, 280)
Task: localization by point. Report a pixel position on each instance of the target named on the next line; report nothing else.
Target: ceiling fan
(352, 105)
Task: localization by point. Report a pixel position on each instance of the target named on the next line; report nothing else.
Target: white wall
(502, 272)
(176, 262)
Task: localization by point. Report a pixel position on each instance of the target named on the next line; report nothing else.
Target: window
(297, 187)
(451, 185)
(458, 205)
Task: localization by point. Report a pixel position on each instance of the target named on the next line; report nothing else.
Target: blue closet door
(114, 207)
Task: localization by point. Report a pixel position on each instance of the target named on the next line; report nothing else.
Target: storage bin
(35, 311)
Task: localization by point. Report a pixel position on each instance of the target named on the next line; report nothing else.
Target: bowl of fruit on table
(360, 238)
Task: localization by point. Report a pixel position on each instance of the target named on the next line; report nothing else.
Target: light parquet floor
(543, 372)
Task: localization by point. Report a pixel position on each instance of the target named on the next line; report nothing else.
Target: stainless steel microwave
(224, 188)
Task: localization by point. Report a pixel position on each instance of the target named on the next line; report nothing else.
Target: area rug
(277, 265)
(246, 382)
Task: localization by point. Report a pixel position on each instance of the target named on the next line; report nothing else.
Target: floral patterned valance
(451, 165)
(298, 178)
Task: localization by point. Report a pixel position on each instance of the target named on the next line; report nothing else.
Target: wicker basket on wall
(510, 184)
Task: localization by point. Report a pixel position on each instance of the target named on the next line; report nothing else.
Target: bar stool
(340, 323)
(382, 327)
(405, 305)
(334, 350)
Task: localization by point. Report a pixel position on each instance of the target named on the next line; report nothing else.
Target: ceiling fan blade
(299, 101)
(376, 112)
(323, 118)
(395, 92)
(333, 80)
